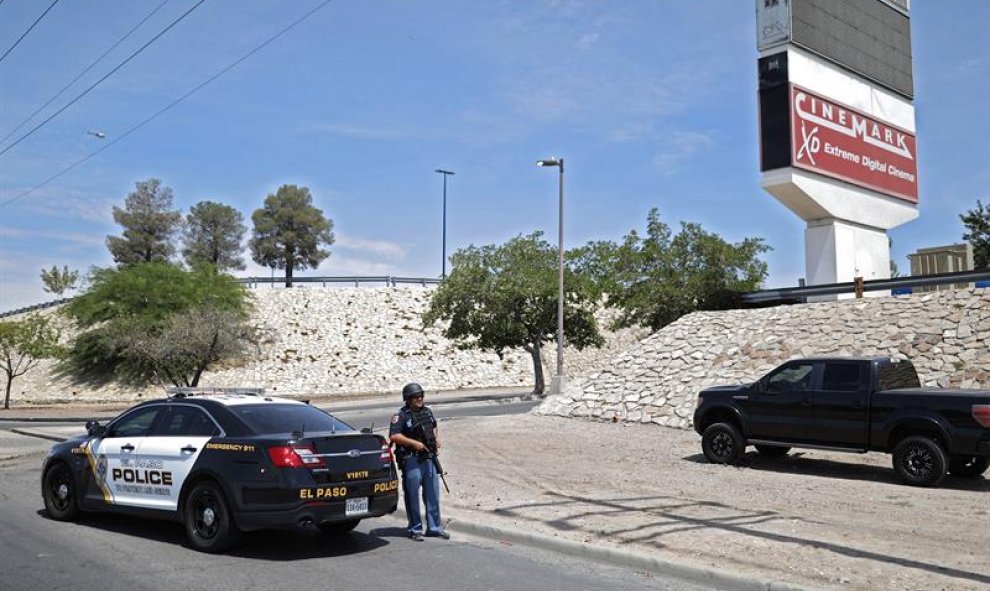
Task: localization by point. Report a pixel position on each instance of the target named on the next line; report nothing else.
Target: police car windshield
(265, 419)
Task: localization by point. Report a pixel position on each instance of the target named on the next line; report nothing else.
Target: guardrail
(35, 307)
(903, 285)
(763, 297)
(387, 280)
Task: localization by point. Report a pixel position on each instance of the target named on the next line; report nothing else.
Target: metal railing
(762, 297)
(35, 307)
(793, 294)
(387, 280)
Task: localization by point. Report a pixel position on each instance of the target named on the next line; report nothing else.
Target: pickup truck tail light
(981, 412)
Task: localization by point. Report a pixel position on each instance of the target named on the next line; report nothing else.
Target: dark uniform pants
(419, 472)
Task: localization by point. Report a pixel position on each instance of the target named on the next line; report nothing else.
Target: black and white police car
(223, 463)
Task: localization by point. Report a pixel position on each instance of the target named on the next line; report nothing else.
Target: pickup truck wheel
(968, 466)
(722, 443)
(772, 451)
(920, 461)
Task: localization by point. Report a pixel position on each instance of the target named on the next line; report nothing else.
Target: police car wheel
(339, 528)
(58, 491)
(209, 524)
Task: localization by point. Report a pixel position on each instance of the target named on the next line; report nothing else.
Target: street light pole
(558, 380)
(443, 255)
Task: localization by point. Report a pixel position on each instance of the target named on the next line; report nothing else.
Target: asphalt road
(379, 417)
(375, 414)
(111, 552)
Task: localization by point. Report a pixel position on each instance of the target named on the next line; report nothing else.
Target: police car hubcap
(208, 517)
(62, 491)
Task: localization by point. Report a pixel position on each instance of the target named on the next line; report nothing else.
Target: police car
(222, 463)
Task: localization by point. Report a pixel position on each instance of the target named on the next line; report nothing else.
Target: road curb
(38, 434)
(616, 557)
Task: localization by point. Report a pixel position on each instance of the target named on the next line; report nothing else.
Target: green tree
(289, 230)
(660, 277)
(150, 225)
(58, 281)
(148, 323)
(977, 223)
(500, 297)
(23, 344)
(213, 234)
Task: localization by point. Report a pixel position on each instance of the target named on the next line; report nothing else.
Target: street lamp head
(98, 134)
(442, 171)
(551, 161)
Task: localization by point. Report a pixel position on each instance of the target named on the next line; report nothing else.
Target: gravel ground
(814, 518)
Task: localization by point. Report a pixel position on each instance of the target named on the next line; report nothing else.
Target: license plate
(356, 506)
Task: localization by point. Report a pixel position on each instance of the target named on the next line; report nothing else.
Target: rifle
(431, 453)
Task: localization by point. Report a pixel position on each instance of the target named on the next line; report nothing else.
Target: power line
(97, 83)
(24, 34)
(83, 73)
(195, 89)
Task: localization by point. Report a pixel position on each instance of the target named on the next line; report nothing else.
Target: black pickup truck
(856, 404)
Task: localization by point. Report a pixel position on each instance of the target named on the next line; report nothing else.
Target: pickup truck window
(791, 377)
(842, 377)
(898, 375)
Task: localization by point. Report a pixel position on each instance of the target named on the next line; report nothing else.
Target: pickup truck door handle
(806, 402)
(127, 447)
(188, 448)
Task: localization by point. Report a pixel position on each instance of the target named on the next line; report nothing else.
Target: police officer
(412, 428)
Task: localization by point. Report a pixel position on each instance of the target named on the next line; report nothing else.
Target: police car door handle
(188, 448)
(127, 447)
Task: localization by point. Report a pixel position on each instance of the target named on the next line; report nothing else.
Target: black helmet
(411, 391)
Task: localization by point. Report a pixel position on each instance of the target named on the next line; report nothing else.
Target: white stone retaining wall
(657, 381)
(319, 341)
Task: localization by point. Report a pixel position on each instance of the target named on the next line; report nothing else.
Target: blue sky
(651, 103)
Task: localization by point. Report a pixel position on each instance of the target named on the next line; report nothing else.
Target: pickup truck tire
(772, 451)
(920, 461)
(722, 443)
(968, 466)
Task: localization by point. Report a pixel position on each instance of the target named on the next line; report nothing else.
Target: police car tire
(209, 524)
(60, 506)
(339, 528)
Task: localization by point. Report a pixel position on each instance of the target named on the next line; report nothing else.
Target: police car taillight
(981, 412)
(386, 455)
(296, 456)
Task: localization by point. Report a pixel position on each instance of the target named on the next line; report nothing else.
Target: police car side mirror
(95, 429)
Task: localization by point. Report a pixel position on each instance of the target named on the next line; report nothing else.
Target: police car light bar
(187, 391)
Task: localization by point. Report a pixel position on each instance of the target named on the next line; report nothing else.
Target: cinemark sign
(834, 140)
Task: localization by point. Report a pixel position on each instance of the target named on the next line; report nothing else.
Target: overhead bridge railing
(387, 280)
(897, 284)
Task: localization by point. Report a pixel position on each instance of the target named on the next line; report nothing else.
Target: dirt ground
(814, 518)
